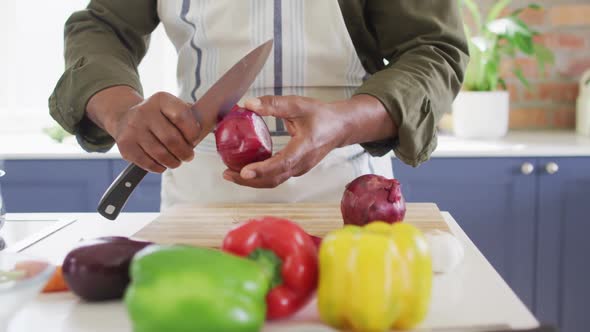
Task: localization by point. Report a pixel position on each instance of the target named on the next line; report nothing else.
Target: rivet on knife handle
(115, 198)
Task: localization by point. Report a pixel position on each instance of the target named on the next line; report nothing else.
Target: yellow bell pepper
(374, 278)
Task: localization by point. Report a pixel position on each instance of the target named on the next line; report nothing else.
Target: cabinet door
(146, 196)
(54, 185)
(563, 269)
(492, 200)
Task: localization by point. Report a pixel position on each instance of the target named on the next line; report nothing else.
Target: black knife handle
(116, 196)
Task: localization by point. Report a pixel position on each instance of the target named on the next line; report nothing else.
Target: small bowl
(22, 278)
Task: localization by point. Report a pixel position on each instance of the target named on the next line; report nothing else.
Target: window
(31, 62)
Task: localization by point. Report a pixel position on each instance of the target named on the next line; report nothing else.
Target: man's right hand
(157, 133)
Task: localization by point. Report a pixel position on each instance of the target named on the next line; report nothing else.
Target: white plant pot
(481, 114)
(583, 106)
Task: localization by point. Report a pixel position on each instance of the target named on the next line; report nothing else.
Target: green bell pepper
(179, 288)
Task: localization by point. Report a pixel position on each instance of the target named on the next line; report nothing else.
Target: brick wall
(551, 101)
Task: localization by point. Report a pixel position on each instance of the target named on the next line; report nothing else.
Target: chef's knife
(216, 102)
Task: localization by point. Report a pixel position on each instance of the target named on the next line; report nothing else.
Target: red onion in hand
(242, 138)
(371, 198)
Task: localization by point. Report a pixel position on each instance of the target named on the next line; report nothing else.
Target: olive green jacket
(422, 40)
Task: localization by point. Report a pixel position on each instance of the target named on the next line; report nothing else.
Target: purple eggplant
(98, 270)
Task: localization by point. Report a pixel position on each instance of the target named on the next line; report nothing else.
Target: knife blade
(217, 101)
(229, 89)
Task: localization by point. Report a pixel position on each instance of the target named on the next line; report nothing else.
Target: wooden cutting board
(206, 225)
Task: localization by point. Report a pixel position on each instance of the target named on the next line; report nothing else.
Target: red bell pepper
(289, 254)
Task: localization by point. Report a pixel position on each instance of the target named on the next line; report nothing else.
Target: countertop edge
(516, 144)
(435, 155)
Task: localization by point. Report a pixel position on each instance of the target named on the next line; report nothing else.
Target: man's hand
(316, 128)
(155, 134)
(314, 133)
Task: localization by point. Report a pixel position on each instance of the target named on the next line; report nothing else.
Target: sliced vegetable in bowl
(11, 276)
(21, 279)
(17, 270)
(56, 283)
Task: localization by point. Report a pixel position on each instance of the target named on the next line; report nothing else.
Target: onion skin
(242, 138)
(371, 198)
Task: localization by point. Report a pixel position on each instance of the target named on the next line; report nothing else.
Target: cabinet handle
(527, 168)
(552, 168)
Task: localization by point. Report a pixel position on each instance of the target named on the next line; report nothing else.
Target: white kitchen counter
(471, 295)
(515, 144)
(42, 147)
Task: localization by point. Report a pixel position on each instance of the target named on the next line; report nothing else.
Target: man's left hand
(315, 130)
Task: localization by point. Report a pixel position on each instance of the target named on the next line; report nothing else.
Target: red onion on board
(371, 198)
(242, 138)
(316, 240)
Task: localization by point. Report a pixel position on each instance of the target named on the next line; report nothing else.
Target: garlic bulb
(446, 251)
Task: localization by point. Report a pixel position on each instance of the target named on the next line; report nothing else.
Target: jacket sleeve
(425, 45)
(104, 45)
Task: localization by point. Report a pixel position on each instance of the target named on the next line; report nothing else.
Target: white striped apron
(313, 56)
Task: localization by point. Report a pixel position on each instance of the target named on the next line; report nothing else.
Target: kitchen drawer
(563, 271)
(54, 185)
(492, 200)
(529, 217)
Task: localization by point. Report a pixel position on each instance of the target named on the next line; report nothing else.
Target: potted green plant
(481, 110)
(56, 133)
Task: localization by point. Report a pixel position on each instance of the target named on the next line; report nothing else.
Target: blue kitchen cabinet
(563, 269)
(71, 186)
(528, 217)
(493, 200)
(54, 185)
(146, 196)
